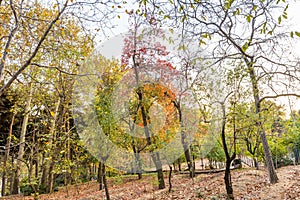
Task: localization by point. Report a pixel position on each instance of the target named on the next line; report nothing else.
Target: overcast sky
(107, 46)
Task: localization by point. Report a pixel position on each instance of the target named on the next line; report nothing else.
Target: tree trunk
(11, 179)
(160, 175)
(170, 177)
(155, 156)
(137, 159)
(57, 126)
(179, 164)
(296, 154)
(50, 178)
(105, 182)
(100, 176)
(255, 163)
(188, 158)
(229, 159)
(268, 156)
(186, 149)
(16, 187)
(227, 178)
(34, 186)
(44, 178)
(51, 175)
(6, 156)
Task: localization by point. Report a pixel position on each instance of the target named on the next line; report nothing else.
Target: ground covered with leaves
(247, 183)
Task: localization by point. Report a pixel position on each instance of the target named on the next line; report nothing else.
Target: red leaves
(142, 46)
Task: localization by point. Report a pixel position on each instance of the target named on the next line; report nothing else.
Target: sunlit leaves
(248, 18)
(292, 33)
(279, 20)
(112, 72)
(227, 4)
(237, 12)
(245, 46)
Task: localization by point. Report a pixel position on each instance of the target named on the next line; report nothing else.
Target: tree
(229, 154)
(247, 129)
(46, 83)
(291, 137)
(111, 74)
(246, 33)
(135, 51)
(27, 25)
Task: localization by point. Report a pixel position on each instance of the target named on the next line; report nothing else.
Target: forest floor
(247, 184)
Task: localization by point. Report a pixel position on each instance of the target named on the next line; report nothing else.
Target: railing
(246, 160)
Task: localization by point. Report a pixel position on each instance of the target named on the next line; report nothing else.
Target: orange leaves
(161, 100)
(163, 94)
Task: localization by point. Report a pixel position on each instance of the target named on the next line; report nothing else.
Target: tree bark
(137, 159)
(100, 176)
(228, 182)
(11, 179)
(179, 164)
(57, 125)
(6, 156)
(229, 159)
(105, 182)
(16, 187)
(50, 178)
(155, 156)
(255, 163)
(186, 149)
(170, 179)
(44, 178)
(268, 156)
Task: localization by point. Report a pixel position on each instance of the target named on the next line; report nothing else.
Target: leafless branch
(279, 95)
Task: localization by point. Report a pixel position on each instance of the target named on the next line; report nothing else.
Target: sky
(294, 19)
(122, 27)
(292, 103)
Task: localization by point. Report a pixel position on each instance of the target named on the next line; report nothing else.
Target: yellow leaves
(62, 31)
(52, 113)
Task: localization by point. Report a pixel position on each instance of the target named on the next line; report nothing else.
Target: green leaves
(294, 33)
(279, 20)
(237, 12)
(202, 42)
(248, 18)
(227, 4)
(284, 14)
(245, 46)
(206, 35)
(181, 8)
(182, 47)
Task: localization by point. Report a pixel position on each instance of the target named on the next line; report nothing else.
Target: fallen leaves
(248, 184)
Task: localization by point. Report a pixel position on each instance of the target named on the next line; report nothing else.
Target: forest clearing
(104, 99)
(247, 184)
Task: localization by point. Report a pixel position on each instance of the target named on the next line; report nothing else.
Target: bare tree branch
(279, 95)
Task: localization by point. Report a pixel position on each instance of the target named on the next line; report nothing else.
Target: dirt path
(249, 184)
